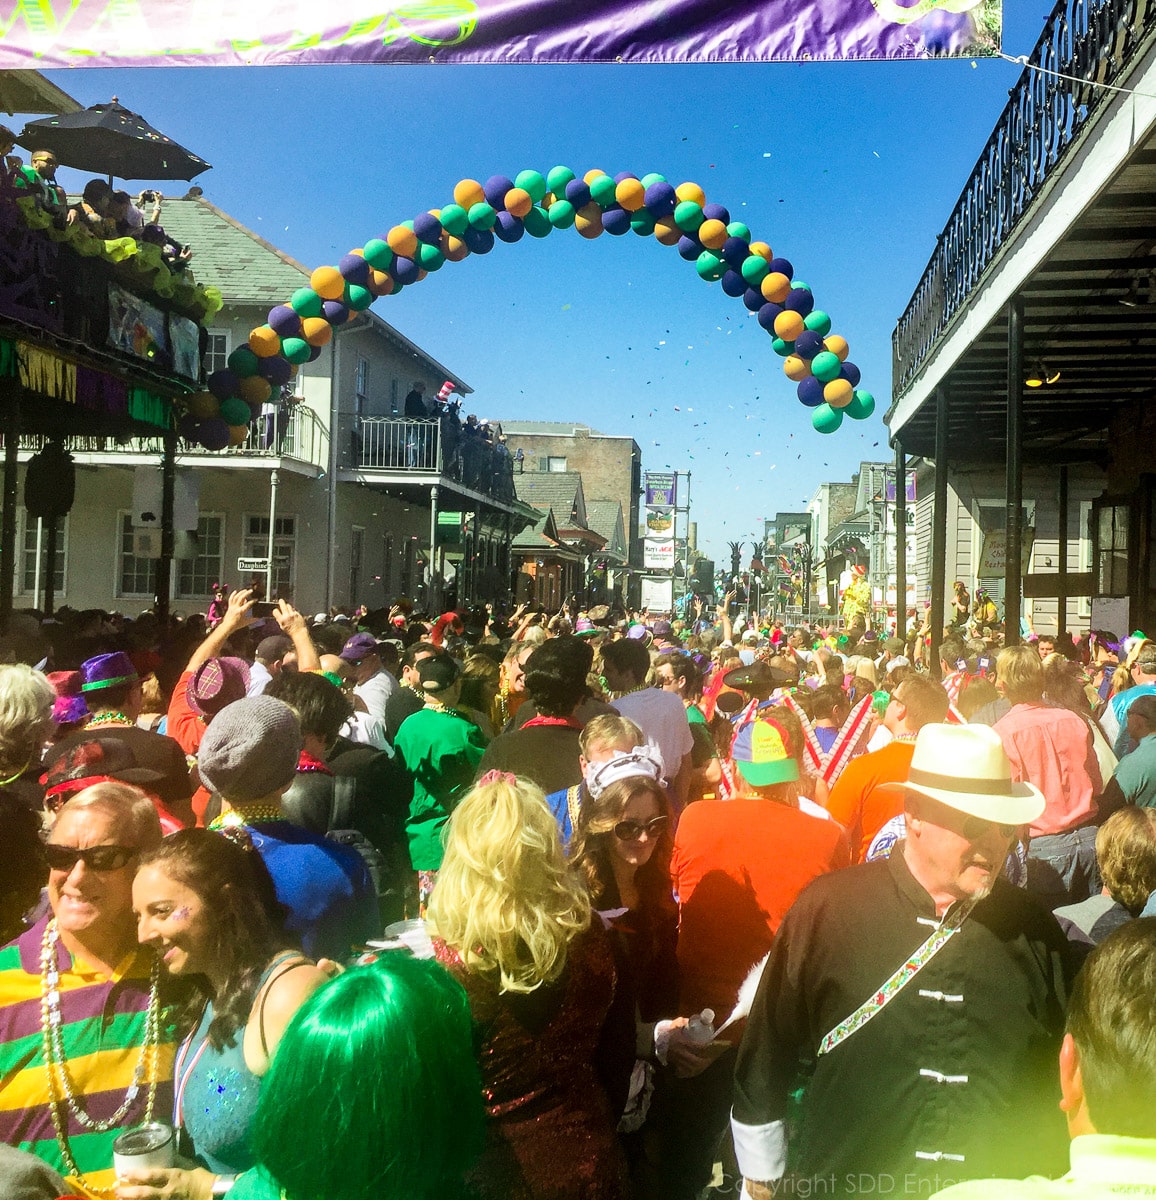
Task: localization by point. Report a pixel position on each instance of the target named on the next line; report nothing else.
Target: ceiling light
(1040, 375)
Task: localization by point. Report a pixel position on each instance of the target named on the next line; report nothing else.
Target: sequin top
(549, 1060)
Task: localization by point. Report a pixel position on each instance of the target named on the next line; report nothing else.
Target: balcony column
(1062, 553)
(900, 541)
(165, 562)
(10, 395)
(1013, 523)
(939, 530)
(434, 589)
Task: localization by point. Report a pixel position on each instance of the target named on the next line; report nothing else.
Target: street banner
(44, 34)
(660, 489)
(657, 554)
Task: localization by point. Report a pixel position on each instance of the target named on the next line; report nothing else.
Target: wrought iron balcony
(1091, 40)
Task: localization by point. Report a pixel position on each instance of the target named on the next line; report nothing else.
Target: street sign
(255, 566)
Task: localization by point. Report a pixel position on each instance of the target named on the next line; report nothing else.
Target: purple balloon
(689, 248)
(223, 383)
(850, 372)
(716, 212)
(275, 369)
(187, 427)
(735, 251)
(578, 192)
(808, 344)
(660, 199)
(404, 270)
(753, 299)
(616, 221)
(496, 188)
(427, 227)
(508, 228)
(767, 315)
(314, 353)
(783, 266)
(810, 392)
(213, 434)
(622, 176)
(733, 283)
(800, 300)
(335, 312)
(284, 321)
(354, 269)
(480, 241)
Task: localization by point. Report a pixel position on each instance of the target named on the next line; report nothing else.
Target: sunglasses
(973, 828)
(95, 858)
(632, 831)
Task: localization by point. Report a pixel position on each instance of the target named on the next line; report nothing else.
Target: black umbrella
(107, 139)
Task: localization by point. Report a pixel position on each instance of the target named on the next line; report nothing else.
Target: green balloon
(454, 219)
(305, 302)
(296, 350)
(798, 283)
(781, 348)
(818, 322)
(235, 411)
(653, 178)
(557, 178)
(357, 297)
(537, 222)
(429, 258)
(482, 215)
(243, 362)
(561, 214)
(642, 223)
(602, 191)
(754, 269)
(825, 366)
(378, 254)
(739, 230)
(407, 225)
(688, 216)
(533, 182)
(861, 407)
(709, 266)
(826, 419)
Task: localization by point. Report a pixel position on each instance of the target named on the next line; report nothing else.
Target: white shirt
(662, 718)
(259, 678)
(375, 691)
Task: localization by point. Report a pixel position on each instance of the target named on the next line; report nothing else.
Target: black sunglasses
(974, 828)
(632, 831)
(95, 858)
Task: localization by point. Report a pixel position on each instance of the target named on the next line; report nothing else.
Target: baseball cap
(358, 646)
(761, 751)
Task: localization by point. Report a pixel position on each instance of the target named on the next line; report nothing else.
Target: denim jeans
(1062, 867)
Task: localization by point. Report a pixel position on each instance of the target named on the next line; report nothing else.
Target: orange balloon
(691, 192)
(238, 434)
(254, 389)
(380, 282)
(455, 249)
(203, 405)
(328, 283)
(762, 250)
(592, 175)
(588, 220)
(401, 240)
(796, 368)
(518, 202)
(666, 231)
(630, 194)
(316, 331)
(775, 287)
(713, 234)
(838, 393)
(468, 192)
(788, 325)
(837, 345)
(264, 342)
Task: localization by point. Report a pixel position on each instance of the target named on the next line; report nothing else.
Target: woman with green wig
(374, 1093)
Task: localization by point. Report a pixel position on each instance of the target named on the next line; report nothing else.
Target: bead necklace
(111, 717)
(56, 1062)
(438, 706)
(253, 814)
(638, 687)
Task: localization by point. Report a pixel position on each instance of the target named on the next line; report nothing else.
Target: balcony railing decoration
(1088, 40)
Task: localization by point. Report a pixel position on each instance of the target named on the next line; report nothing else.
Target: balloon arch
(504, 210)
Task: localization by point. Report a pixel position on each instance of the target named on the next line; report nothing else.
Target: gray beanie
(250, 749)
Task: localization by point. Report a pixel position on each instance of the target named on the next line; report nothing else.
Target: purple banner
(198, 33)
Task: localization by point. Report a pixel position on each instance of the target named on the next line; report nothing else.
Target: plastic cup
(151, 1145)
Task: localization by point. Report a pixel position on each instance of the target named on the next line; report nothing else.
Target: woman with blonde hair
(514, 924)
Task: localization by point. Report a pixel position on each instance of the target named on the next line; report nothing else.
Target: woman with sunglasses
(207, 906)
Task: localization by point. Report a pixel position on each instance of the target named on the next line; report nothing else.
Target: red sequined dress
(547, 1058)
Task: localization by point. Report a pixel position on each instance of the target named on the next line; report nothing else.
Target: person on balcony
(40, 179)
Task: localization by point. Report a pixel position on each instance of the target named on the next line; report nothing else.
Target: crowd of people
(589, 905)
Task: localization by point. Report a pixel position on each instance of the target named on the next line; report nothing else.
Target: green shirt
(441, 750)
(1136, 774)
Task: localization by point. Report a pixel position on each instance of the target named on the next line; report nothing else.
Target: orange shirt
(187, 727)
(856, 801)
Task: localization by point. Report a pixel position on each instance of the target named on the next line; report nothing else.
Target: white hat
(979, 782)
(641, 762)
(751, 635)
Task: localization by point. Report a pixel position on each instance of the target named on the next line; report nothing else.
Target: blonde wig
(505, 898)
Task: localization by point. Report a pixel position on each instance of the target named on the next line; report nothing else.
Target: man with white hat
(923, 994)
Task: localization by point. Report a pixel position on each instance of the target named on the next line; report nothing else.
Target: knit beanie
(250, 749)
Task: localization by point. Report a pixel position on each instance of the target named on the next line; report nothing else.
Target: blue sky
(848, 170)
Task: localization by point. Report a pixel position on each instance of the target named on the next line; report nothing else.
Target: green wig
(374, 1092)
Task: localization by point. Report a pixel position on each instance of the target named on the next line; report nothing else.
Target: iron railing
(1092, 40)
